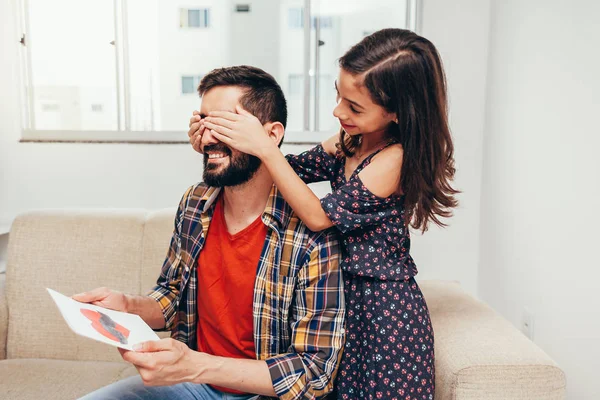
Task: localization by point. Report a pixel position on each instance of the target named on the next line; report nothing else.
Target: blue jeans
(133, 389)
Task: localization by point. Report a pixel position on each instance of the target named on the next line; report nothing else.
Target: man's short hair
(263, 96)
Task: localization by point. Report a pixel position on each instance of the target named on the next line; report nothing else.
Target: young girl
(390, 167)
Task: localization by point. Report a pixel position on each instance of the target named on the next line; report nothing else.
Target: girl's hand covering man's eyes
(196, 131)
(241, 131)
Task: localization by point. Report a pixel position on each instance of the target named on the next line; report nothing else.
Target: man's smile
(216, 153)
(215, 156)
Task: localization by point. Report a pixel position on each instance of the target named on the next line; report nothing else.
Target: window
(296, 83)
(189, 84)
(242, 8)
(194, 18)
(50, 107)
(296, 19)
(132, 71)
(325, 22)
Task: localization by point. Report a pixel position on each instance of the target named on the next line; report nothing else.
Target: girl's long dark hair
(403, 73)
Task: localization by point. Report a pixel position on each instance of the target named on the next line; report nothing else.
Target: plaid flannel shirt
(298, 303)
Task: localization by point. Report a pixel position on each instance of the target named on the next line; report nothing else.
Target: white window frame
(126, 135)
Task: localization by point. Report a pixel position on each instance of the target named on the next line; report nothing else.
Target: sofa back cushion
(157, 237)
(68, 251)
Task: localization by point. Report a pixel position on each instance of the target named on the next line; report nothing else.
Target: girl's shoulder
(330, 145)
(393, 153)
(382, 175)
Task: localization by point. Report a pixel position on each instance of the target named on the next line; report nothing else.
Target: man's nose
(208, 138)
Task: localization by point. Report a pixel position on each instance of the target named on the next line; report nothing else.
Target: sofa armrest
(3, 317)
(480, 355)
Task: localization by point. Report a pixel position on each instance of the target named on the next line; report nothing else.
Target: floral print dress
(389, 338)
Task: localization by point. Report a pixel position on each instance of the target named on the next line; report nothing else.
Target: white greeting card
(108, 326)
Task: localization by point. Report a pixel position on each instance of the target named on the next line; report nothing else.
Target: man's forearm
(148, 309)
(249, 376)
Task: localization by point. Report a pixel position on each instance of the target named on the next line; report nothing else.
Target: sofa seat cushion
(27, 379)
(480, 355)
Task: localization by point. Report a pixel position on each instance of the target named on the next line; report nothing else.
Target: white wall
(254, 31)
(541, 179)
(459, 29)
(37, 175)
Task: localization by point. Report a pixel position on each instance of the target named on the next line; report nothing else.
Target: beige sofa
(479, 355)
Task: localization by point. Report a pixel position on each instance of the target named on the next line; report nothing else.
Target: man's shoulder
(307, 238)
(194, 192)
(198, 189)
(292, 224)
(309, 253)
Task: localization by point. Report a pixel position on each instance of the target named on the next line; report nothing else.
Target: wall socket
(527, 323)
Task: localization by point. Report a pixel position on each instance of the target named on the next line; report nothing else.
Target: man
(253, 298)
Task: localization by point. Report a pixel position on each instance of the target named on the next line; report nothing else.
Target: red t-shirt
(226, 273)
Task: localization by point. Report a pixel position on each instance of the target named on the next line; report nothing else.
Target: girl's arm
(314, 165)
(298, 195)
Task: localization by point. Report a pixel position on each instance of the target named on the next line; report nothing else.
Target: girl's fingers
(217, 128)
(193, 129)
(197, 137)
(196, 143)
(196, 118)
(220, 121)
(226, 115)
(196, 131)
(242, 111)
(221, 138)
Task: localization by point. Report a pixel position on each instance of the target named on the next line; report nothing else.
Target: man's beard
(241, 168)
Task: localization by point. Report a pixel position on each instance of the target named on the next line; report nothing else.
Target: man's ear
(275, 130)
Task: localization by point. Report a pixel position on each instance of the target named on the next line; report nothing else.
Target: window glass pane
(206, 18)
(340, 28)
(194, 18)
(144, 64)
(73, 65)
(295, 85)
(288, 67)
(187, 84)
(197, 80)
(167, 62)
(295, 18)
